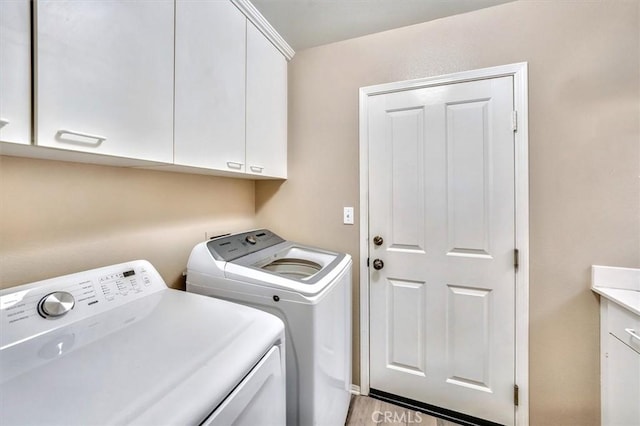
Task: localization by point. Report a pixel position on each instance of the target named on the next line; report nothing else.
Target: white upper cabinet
(104, 77)
(15, 71)
(266, 107)
(210, 85)
(230, 93)
(194, 86)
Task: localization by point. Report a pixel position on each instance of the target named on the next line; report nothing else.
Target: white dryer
(115, 346)
(310, 290)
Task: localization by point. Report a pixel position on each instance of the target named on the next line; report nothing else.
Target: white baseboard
(355, 389)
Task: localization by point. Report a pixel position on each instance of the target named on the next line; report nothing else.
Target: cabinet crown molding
(254, 15)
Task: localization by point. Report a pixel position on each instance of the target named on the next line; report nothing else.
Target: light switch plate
(348, 216)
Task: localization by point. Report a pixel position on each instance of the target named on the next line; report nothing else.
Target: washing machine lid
(263, 258)
(302, 264)
(167, 358)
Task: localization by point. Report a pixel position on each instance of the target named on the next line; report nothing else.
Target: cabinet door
(266, 107)
(210, 85)
(15, 71)
(104, 77)
(622, 403)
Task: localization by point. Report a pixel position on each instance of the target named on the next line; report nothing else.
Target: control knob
(251, 239)
(56, 304)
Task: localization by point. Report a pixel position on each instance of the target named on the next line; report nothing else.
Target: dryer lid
(136, 363)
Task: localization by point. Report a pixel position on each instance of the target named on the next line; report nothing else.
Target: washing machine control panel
(36, 308)
(232, 247)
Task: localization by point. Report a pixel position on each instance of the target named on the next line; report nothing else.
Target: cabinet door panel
(210, 85)
(623, 384)
(266, 107)
(105, 69)
(15, 71)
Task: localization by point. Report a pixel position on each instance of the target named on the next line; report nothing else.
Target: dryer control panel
(234, 246)
(36, 308)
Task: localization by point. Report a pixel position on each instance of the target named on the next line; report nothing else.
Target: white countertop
(629, 299)
(620, 285)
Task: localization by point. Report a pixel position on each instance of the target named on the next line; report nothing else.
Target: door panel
(407, 192)
(210, 96)
(468, 209)
(469, 342)
(104, 77)
(441, 194)
(15, 71)
(266, 142)
(406, 334)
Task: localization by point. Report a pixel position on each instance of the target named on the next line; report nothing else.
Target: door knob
(378, 264)
(377, 240)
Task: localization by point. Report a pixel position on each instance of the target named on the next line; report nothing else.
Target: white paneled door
(442, 275)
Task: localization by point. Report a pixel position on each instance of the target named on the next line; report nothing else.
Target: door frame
(519, 72)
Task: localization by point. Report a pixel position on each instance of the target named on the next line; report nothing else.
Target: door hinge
(514, 121)
(367, 262)
(516, 258)
(516, 395)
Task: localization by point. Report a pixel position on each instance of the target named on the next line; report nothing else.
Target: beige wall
(58, 218)
(584, 117)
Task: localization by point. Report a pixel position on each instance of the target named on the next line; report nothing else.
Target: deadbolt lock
(377, 240)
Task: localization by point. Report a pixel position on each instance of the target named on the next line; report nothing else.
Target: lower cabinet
(620, 365)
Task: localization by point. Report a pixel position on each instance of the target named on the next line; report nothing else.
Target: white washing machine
(310, 290)
(115, 346)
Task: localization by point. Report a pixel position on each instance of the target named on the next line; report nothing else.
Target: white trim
(355, 389)
(261, 23)
(364, 243)
(521, 104)
(520, 81)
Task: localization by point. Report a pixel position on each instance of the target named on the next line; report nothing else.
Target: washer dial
(56, 304)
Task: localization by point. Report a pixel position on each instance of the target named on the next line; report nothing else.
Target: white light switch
(348, 216)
